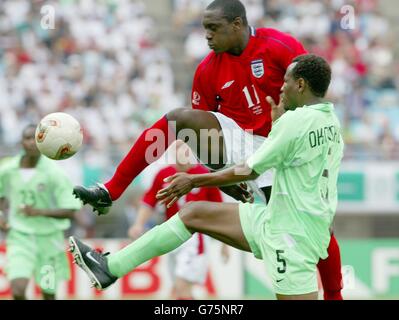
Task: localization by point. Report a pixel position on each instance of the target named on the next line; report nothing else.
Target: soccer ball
(58, 136)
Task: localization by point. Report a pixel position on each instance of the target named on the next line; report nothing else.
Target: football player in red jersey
(230, 116)
(188, 263)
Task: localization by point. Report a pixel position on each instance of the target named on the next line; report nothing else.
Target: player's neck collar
(252, 31)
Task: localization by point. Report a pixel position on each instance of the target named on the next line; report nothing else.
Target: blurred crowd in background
(105, 63)
(101, 62)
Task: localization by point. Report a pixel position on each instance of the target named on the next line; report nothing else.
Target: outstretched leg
(199, 129)
(219, 220)
(181, 123)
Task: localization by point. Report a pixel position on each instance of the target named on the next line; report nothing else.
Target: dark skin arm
(49, 213)
(183, 183)
(3, 220)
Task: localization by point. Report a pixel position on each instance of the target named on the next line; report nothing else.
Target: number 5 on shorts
(281, 260)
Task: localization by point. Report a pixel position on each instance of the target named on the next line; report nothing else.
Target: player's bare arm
(49, 213)
(3, 220)
(183, 183)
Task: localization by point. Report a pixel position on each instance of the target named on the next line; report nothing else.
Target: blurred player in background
(189, 263)
(38, 195)
(228, 99)
(292, 232)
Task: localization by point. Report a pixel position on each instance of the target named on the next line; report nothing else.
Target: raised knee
(178, 115)
(190, 214)
(182, 116)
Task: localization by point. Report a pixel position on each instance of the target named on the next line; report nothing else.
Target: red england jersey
(199, 194)
(237, 86)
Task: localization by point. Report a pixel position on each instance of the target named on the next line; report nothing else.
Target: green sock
(157, 241)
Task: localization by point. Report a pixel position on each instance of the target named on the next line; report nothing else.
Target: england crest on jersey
(257, 67)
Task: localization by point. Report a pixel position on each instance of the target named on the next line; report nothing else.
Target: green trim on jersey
(48, 188)
(305, 146)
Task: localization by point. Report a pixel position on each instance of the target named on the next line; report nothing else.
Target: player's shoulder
(51, 168)
(291, 118)
(304, 116)
(46, 163)
(206, 62)
(273, 34)
(298, 112)
(276, 38)
(8, 163)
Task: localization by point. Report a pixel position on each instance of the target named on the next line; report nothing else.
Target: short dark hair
(315, 71)
(231, 9)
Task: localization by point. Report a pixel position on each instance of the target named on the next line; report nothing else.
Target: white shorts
(190, 260)
(240, 145)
